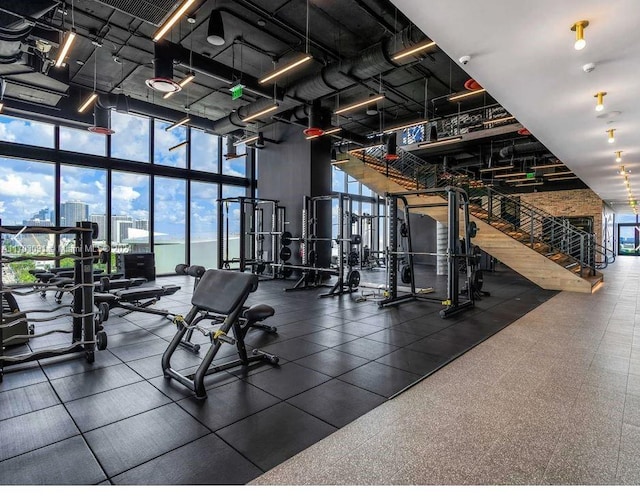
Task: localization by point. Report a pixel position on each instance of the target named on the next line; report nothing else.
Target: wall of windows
(169, 223)
(164, 205)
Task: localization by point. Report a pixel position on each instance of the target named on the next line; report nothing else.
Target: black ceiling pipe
(14, 28)
(333, 77)
(525, 148)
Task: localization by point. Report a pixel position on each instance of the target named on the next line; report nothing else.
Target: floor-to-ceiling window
(130, 205)
(26, 199)
(169, 223)
(204, 224)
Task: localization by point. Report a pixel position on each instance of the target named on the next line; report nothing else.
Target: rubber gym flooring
(119, 421)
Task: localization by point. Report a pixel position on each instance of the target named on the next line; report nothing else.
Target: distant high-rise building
(73, 211)
(115, 229)
(141, 224)
(101, 220)
(122, 231)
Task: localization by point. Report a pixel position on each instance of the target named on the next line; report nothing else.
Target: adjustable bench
(219, 293)
(138, 299)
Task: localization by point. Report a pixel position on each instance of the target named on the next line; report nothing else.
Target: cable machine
(457, 199)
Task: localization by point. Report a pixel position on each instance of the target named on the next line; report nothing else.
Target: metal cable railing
(554, 237)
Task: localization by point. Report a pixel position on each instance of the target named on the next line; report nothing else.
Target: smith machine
(457, 252)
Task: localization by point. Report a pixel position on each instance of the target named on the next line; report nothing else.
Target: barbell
(287, 238)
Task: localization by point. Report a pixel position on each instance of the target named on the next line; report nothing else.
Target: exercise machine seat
(146, 292)
(258, 312)
(223, 291)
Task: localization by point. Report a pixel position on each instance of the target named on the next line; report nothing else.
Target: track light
(256, 115)
(177, 146)
(172, 20)
(558, 173)
(600, 101)
(466, 94)
(413, 50)
(621, 170)
(184, 120)
(612, 138)
(340, 161)
(562, 179)
(578, 27)
(409, 125)
(285, 69)
(68, 41)
(88, 102)
(215, 30)
(618, 156)
(440, 142)
(352, 107)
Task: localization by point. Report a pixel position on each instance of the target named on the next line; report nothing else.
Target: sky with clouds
(26, 187)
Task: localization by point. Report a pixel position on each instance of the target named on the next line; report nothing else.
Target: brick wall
(583, 202)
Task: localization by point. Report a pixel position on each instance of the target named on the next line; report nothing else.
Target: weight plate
(95, 231)
(285, 254)
(287, 272)
(285, 239)
(260, 268)
(473, 229)
(353, 259)
(405, 274)
(356, 239)
(353, 279)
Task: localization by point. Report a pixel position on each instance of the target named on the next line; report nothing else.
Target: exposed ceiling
(523, 53)
(351, 41)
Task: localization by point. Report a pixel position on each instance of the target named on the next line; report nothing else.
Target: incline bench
(219, 292)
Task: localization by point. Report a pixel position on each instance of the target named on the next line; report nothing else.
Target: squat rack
(253, 234)
(457, 199)
(83, 333)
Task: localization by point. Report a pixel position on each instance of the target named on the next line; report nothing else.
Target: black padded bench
(219, 293)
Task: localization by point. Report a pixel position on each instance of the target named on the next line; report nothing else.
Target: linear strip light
(246, 141)
(509, 175)
(184, 120)
(409, 125)
(495, 168)
(562, 179)
(1, 106)
(185, 81)
(440, 142)
(332, 131)
(516, 180)
(371, 100)
(559, 173)
(340, 161)
(529, 184)
(466, 94)
(285, 69)
(177, 146)
(172, 20)
(68, 41)
(88, 102)
(412, 50)
(498, 120)
(547, 166)
(256, 115)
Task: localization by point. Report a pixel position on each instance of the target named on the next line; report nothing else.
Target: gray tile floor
(553, 398)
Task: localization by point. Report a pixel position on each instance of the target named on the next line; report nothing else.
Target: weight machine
(258, 242)
(85, 336)
(457, 199)
(312, 275)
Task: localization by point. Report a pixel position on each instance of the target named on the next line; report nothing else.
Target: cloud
(26, 132)
(82, 141)
(124, 193)
(13, 185)
(2, 207)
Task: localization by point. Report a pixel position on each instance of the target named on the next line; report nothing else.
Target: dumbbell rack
(84, 338)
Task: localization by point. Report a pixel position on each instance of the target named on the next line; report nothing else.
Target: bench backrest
(222, 291)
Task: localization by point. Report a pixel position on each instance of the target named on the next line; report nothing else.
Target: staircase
(544, 249)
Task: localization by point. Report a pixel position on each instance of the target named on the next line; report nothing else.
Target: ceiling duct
(101, 120)
(332, 78)
(145, 10)
(162, 80)
(526, 148)
(14, 28)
